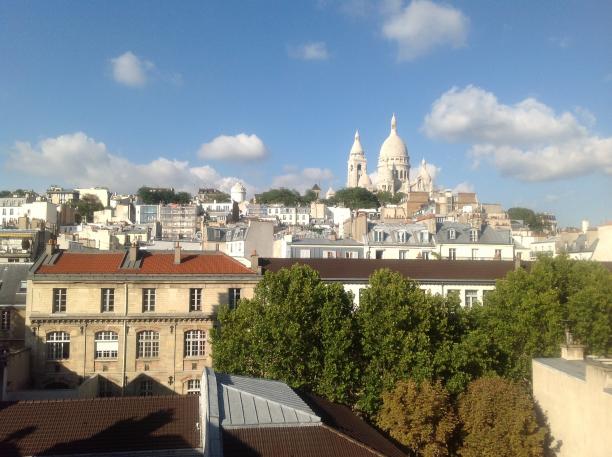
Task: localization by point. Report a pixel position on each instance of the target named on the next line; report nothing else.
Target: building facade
(179, 221)
(140, 320)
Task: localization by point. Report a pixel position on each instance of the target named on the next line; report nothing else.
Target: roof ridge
(352, 440)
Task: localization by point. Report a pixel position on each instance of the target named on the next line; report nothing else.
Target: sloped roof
(253, 402)
(421, 270)
(486, 235)
(11, 275)
(149, 263)
(100, 425)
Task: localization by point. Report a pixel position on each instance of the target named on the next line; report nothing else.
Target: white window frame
(195, 343)
(148, 300)
(147, 344)
(379, 236)
(107, 300)
(402, 236)
(452, 253)
(146, 388)
(195, 299)
(471, 297)
(193, 387)
(233, 296)
(59, 299)
(5, 319)
(107, 345)
(403, 255)
(452, 234)
(473, 235)
(57, 345)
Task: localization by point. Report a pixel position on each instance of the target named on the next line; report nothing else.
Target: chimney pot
(177, 253)
(254, 261)
(50, 248)
(133, 253)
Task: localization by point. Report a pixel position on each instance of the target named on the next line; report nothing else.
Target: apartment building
(139, 320)
(455, 241)
(179, 221)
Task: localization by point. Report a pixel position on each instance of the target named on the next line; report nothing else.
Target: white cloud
(130, 70)
(302, 180)
(309, 51)
(431, 168)
(237, 147)
(422, 26)
(562, 41)
(78, 160)
(464, 187)
(528, 140)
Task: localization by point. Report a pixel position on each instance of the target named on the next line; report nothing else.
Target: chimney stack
(177, 253)
(50, 247)
(254, 261)
(133, 253)
(571, 350)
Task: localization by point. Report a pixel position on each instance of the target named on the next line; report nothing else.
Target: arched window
(148, 344)
(193, 387)
(58, 345)
(195, 342)
(107, 345)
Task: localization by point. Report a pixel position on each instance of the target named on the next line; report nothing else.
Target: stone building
(139, 320)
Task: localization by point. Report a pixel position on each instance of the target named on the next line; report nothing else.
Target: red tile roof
(99, 425)
(291, 441)
(158, 263)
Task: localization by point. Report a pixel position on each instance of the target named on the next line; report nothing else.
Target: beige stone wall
(169, 372)
(14, 336)
(579, 411)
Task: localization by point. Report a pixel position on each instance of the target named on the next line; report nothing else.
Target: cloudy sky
(510, 99)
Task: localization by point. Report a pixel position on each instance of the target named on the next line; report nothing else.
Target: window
(425, 255)
(351, 255)
(58, 345)
(473, 235)
(498, 254)
(107, 345)
(402, 237)
(403, 255)
(329, 254)
(5, 319)
(193, 387)
(195, 341)
(474, 254)
(233, 297)
(195, 299)
(452, 234)
(107, 300)
(379, 236)
(451, 292)
(148, 344)
(471, 297)
(424, 237)
(23, 286)
(379, 254)
(146, 388)
(452, 254)
(59, 300)
(304, 253)
(148, 300)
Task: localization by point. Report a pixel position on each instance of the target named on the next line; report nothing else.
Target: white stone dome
(393, 147)
(330, 193)
(357, 149)
(238, 187)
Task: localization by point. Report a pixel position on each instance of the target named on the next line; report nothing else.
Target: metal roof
(11, 275)
(574, 368)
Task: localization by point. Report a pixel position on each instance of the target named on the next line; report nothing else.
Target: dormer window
(452, 234)
(379, 236)
(402, 236)
(473, 235)
(424, 236)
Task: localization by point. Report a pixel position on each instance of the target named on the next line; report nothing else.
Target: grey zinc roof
(486, 235)
(391, 233)
(250, 402)
(11, 275)
(327, 242)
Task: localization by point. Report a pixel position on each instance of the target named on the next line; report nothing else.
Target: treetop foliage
(86, 206)
(151, 196)
(287, 197)
(534, 220)
(355, 198)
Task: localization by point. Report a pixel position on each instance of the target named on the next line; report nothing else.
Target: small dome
(393, 147)
(238, 187)
(330, 193)
(364, 181)
(385, 175)
(357, 149)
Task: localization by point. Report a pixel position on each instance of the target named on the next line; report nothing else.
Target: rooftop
(148, 263)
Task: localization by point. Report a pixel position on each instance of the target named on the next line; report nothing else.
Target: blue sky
(511, 99)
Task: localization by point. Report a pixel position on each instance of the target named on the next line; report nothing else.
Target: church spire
(393, 123)
(357, 134)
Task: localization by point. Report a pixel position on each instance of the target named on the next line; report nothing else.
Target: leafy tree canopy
(218, 196)
(386, 198)
(86, 206)
(419, 416)
(10, 193)
(297, 329)
(287, 197)
(528, 312)
(498, 418)
(151, 196)
(534, 220)
(355, 198)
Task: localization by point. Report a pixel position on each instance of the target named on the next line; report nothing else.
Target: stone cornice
(142, 278)
(91, 319)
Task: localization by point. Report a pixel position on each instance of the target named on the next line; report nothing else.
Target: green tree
(526, 215)
(86, 206)
(528, 312)
(498, 419)
(355, 198)
(287, 197)
(407, 333)
(386, 198)
(151, 196)
(297, 329)
(419, 416)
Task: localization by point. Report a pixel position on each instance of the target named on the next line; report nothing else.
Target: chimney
(177, 253)
(571, 350)
(585, 226)
(50, 248)
(133, 253)
(254, 261)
